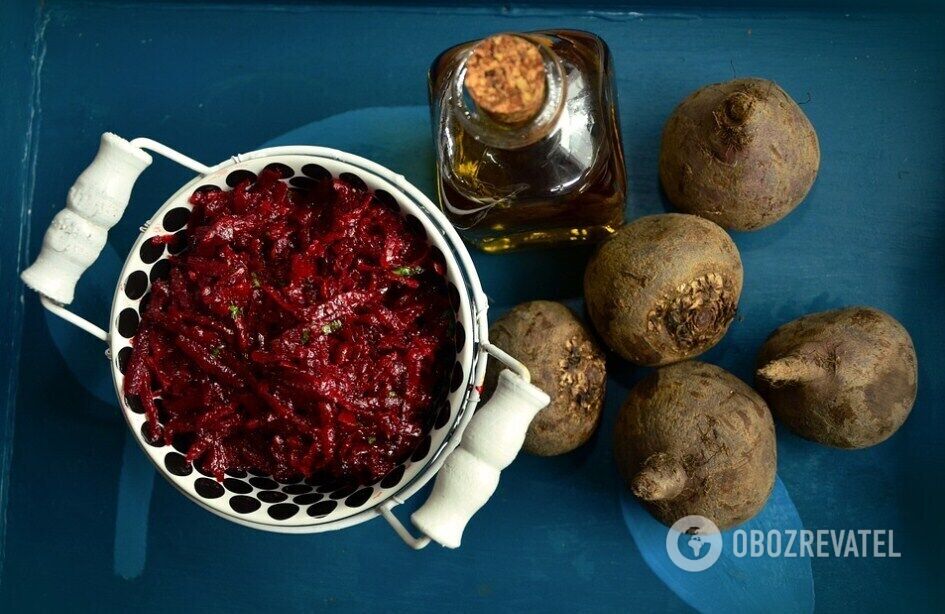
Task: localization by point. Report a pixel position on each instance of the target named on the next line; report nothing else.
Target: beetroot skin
(740, 153)
(299, 333)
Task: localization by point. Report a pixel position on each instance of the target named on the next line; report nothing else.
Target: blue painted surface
(132, 509)
(17, 122)
(217, 79)
(733, 583)
(84, 355)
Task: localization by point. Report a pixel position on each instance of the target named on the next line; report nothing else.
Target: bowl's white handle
(77, 234)
(471, 473)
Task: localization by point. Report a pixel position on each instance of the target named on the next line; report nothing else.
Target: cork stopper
(505, 76)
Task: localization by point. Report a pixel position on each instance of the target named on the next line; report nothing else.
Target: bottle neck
(504, 135)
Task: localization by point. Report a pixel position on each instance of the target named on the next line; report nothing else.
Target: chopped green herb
(331, 327)
(306, 335)
(371, 440)
(392, 394)
(216, 351)
(408, 271)
(235, 311)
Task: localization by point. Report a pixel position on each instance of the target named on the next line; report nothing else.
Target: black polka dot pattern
(271, 496)
(421, 450)
(354, 180)
(322, 508)
(453, 291)
(176, 464)
(123, 355)
(316, 172)
(393, 478)
(297, 489)
(414, 225)
(459, 336)
(248, 492)
(182, 442)
(136, 285)
(143, 305)
(456, 380)
(178, 242)
(175, 219)
(150, 251)
(134, 404)
(160, 270)
(303, 183)
(241, 504)
(238, 487)
(152, 436)
(283, 511)
(386, 199)
(264, 483)
(237, 177)
(443, 416)
(128, 323)
(284, 171)
(344, 492)
(208, 488)
(359, 498)
(312, 497)
(439, 260)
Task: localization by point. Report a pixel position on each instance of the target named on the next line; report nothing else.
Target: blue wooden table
(85, 523)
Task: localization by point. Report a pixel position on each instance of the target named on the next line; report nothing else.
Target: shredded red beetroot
(299, 333)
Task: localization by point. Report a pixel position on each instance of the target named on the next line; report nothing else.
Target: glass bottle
(545, 175)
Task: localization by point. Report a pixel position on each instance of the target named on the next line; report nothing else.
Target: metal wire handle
(77, 234)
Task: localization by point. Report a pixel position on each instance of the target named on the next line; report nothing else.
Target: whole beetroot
(565, 361)
(741, 154)
(663, 288)
(845, 378)
(693, 439)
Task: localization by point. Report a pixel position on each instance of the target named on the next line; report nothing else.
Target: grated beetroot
(298, 333)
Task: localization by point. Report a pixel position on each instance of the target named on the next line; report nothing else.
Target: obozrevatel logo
(694, 543)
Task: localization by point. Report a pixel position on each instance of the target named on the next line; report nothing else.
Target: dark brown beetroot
(664, 288)
(693, 439)
(845, 378)
(565, 361)
(741, 154)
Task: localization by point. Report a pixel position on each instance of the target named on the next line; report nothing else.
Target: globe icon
(694, 543)
(693, 546)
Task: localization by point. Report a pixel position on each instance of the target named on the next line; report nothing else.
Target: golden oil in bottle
(528, 139)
